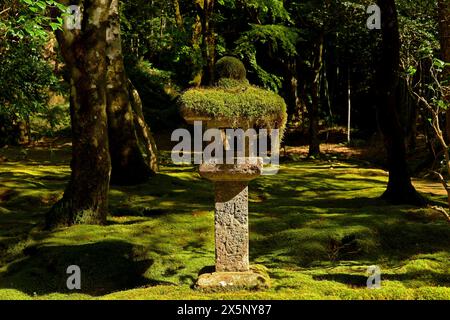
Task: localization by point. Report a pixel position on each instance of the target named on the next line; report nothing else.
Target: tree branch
(443, 211)
(6, 10)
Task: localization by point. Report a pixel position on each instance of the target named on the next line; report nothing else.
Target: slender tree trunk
(399, 189)
(205, 9)
(313, 107)
(197, 77)
(86, 197)
(143, 133)
(291, 87)
(349, 106)
(302, 110)
(132, 162)
(302, 107)
(178, 16)
(444, 28)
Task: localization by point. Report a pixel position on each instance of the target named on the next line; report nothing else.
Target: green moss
(228, 83)
(237, 104)
(294, 217)
(231, 68)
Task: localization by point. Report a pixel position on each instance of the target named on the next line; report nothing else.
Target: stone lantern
(233, 104)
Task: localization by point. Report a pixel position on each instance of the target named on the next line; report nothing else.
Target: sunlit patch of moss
(12, 294)
(317, 228)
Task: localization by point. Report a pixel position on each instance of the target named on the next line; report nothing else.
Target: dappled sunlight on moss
(317, 226)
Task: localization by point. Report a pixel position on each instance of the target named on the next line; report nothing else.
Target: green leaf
(442, 104)
(411, 70)
(55, 26)
(438, 63)
(41, 4)
(61, 7)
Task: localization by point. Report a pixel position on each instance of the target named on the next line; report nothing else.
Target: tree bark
(290, 86)
(205, 10)
(85, 200)
(197, 77)
(144, 135)
(313, 106)
(133, 161)
(210, 42)
(178, 16)
(399, 189)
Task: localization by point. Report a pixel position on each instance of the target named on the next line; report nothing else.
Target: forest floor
(317, 226)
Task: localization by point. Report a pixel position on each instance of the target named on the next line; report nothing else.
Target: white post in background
(349, 108)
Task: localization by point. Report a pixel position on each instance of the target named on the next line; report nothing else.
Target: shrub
(231, 68)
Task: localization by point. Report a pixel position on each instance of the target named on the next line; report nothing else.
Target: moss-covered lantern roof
(233, 102)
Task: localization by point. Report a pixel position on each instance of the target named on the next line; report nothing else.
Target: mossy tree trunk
(133, 155)
(144, 135)
(86, 197)
(399, 189)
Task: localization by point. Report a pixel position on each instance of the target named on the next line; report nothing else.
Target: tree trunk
(444, 28)
(197, 77)
(132, 161)
(291, 88)
(205, 9)
(13, 131)
(302, 108)
(210, 45)
(399, 189)
(313, 107)
(86, 197)
(144, 135)
(178, 16)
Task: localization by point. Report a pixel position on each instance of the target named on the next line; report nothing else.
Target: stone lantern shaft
(231, 211)
(231, 226)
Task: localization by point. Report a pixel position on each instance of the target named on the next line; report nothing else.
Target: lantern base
(256, 278)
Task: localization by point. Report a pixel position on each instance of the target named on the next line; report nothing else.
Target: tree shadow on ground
(409, 279)
(430, 277)
(105, 267)
(307, 216)
(58, 154)
(306, 232)
(352, 280)
(164, 193)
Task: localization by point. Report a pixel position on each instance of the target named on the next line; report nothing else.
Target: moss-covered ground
(316, 225)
